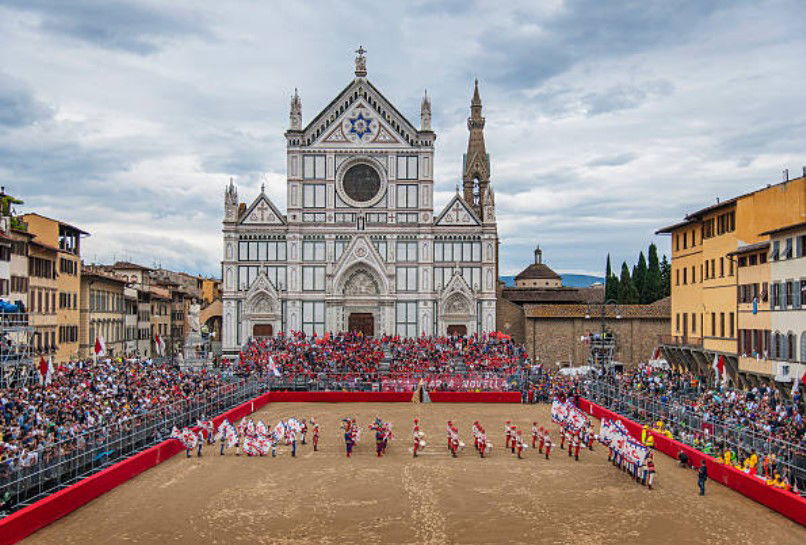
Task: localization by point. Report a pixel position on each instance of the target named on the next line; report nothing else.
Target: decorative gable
(361, 125)
(360, 251)
(360, 114)
(457, 213)
(262, 212)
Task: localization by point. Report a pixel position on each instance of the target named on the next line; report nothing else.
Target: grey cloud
(612, 160)
(18, 106)
(531, 48)
(127, 26)
(624, 97)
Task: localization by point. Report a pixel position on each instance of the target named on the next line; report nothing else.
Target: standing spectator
(702, 476)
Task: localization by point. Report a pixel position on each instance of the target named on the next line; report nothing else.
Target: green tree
(639, 276)
(611, 282)
(653, 283)
(628, 294)
(665, 278)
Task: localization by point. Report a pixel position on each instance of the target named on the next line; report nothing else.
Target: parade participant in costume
(189, 439)
(650, 469)
(418, 438)
(484, 445)
(315, 428)
(227, 436)
(292, 440)
(450, 435)
(207, 428)
(455, 443)
(520, 444)
(508, 433)
(303, 430)
(577, 442)
(535, 434)
(547, 444)
(542, 436)
(562, 438)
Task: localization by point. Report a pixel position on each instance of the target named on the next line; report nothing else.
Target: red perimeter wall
(38, 515)
(788, 504)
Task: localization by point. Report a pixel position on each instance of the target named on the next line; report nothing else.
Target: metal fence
(685, 423)
(63, 463)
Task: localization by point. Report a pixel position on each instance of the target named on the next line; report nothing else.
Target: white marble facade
(359, 246)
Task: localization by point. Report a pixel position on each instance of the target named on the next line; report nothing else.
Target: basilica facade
(360, 247)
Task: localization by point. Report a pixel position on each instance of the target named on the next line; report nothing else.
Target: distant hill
(569, 280)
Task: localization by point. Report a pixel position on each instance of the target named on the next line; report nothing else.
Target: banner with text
(449, 383)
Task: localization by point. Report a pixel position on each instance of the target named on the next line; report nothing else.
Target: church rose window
(361, 183)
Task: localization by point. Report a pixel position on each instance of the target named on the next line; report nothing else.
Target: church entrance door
(363, 322)
(457, 330)
(262, 330)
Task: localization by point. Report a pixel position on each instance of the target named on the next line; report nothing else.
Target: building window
(313, 317)
(677, 322)
(406, 278)
(677, 277)
(685, 276)
(313, 217)
(406, 319)
(313, 195)
(407, 196)
(776, 249)
(313, 250)
(407, 217)
(261, 250)
(277, 276)
(693, 323)
(313, 278)
(313, 167)
(406, 250)
(376, 218)
(406, 167)
(452, 251)
(685, 240)
(246, 275)
(721, 324)
(713, 324)
(381, 248)
(338, 247)
(801, 246)
(731, 325)
(790, 288)
(344, 217)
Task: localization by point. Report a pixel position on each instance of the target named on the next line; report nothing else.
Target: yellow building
(103, 313)
(65, 239)
(211, 289)
(704, 272)
(42, 284)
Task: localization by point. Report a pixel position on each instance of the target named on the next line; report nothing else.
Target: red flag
(43, 367)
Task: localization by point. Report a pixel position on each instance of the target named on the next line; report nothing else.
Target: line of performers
(624, 457)
(576, 438)
(255, 438)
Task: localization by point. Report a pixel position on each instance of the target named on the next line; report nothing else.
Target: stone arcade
(360, 247)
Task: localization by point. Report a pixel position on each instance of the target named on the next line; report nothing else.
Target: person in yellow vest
(650, 440)
(753, 461)
(644, 432)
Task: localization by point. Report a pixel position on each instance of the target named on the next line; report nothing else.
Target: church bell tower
(476, 168)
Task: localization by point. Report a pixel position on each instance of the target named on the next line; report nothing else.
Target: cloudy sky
(605, 120)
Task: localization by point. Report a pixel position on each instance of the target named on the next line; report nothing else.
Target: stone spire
(295, 115)
(476, 172)
(425, 113)
(230, 202)
(360, 63)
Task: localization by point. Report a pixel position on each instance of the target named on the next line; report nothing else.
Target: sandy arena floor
(324, 497)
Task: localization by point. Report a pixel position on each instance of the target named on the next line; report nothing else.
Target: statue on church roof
(361, 63)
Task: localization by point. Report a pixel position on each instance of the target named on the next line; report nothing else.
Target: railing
(684, 424)
(63, 463)
(680, 340)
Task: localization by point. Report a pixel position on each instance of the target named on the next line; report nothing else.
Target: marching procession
(576, 433)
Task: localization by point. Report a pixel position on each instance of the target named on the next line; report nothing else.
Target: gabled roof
(462, 214)
(356, 89)
(272, 218)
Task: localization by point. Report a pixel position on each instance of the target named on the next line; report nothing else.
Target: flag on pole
(796, 384)
(44, 371)
(719, 367)
(723, 370)
(273, 367)
(100, 347)
(160, 345)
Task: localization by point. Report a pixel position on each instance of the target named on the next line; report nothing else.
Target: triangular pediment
(457, 212)
(360, 115)
(360, 251)
(457, 284)
(262, 212)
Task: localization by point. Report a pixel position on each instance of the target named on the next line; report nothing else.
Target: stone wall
(553, 340)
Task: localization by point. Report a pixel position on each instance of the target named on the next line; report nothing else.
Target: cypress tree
(639, 277)
(652, 283)
(627, 291)
(665, 278)
(611, 282)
